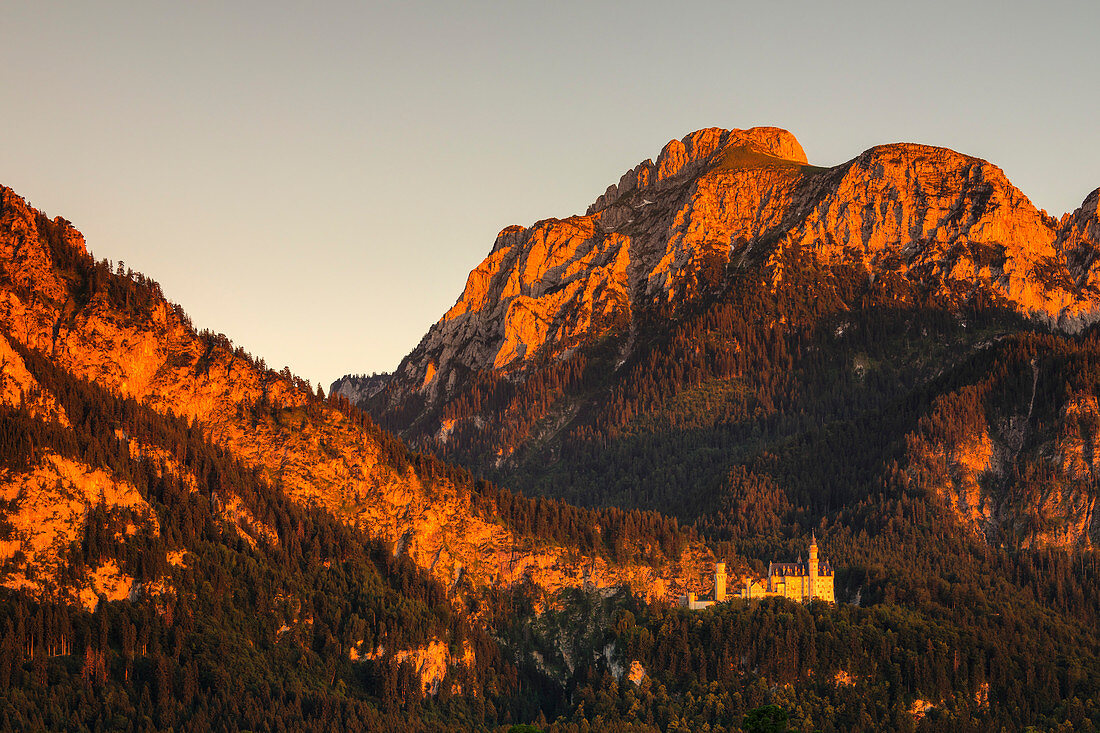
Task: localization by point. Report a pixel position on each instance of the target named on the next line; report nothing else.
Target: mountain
(740, 199)
(732, 297)
(149, 471)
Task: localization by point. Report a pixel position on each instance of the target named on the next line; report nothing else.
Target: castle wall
(794, 587)
(797, 581)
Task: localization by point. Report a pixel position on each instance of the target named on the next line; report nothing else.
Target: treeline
(993, 639)
(834, 669)
(132, 668)
(132, 296)
(620, 535)
(731, 385)
(616, 534)
(128, 292)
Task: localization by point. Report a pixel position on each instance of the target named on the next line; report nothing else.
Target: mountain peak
(709, 143)
(703, 149)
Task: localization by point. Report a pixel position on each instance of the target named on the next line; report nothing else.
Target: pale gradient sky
(316, 179)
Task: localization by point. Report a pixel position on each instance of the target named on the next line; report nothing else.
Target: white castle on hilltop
(799, 581)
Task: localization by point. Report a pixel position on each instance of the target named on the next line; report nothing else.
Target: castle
(799, 581)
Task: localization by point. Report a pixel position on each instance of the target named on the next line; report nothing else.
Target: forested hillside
(189, 539)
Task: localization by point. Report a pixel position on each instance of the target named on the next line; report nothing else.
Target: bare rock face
(1078, 235)
(941, 218)
(50, 502)
(683, 157)
(157, 358)
(18, 387)
(360, 388)
(563, 282)
(1016, 466)
(945, 222)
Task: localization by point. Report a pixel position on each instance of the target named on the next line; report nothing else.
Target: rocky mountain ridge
(728, 199)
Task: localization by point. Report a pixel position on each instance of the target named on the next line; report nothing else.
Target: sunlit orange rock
(320, 460)
(49, 504)
(719, 199)
(969, 474)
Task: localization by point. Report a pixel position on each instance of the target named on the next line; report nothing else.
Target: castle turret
(720, 582)
(811, 568)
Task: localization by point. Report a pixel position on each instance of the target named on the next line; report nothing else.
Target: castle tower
(811, 568)
(719, 582)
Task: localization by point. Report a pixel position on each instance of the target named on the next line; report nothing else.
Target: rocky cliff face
(149, 351)
(360, 388)
(947, 223)
(50, 503)
(561, 283)
(1018, 464)
(1078, 234)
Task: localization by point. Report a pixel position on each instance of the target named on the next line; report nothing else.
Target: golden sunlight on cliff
(950, 225)
(430, 661)
(19, 388)
(50, 505)
(977, 473)
(107, 583)
(315, 455)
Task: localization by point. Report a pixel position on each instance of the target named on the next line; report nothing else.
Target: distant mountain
(730, 298)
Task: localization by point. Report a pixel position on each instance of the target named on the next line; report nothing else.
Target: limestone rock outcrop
(49, 503)
(1015, 478)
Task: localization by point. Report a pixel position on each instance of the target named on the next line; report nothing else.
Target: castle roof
(798, 568)
(786, 568)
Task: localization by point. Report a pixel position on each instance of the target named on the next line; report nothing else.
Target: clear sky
(317, 179)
